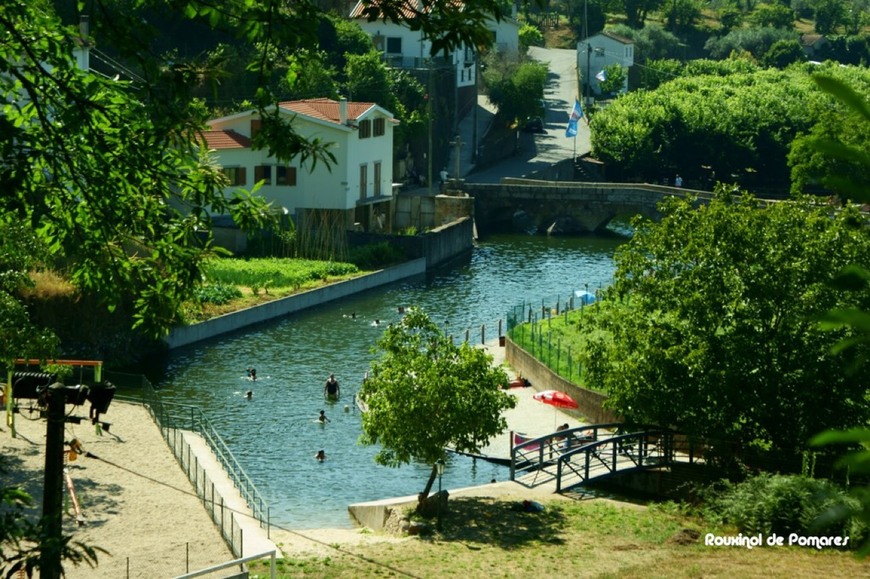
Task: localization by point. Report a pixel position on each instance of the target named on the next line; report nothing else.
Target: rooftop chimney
(342, 111)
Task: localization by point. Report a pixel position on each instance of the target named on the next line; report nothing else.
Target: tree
(426, 394)
(773, 15)
(515, 87)
(614, 79)
(21, 538)
(710, 327)
(530, 36)
(782, 53)
(109, 172)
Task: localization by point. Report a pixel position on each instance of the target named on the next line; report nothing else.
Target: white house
(357, 187)
(406, 48)
(600, 50)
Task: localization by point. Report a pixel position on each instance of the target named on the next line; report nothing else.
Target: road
(535, 151)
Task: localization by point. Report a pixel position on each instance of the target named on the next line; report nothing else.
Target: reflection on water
(276, 434)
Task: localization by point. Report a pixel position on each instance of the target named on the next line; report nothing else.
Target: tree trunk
(425, 494)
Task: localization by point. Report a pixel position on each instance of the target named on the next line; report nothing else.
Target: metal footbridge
(577, 456)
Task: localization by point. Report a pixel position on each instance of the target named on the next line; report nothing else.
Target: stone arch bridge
(564, 207)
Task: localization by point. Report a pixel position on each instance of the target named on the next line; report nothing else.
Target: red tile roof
(409, 9)
(325, 109)
(225, 140)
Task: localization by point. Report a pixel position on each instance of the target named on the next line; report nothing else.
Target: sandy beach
(137, 503)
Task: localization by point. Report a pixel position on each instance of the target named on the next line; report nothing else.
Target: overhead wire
(334, 547)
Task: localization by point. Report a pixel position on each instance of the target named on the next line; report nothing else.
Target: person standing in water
(331, 389)
(322, 418)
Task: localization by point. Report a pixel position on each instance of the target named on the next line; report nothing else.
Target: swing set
(26, 384)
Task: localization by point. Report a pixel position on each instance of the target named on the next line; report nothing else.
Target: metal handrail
(656, 448)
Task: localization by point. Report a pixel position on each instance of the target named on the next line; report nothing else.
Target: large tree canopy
(108, 171)
(740, 126)
(712, 323)
(426, 394)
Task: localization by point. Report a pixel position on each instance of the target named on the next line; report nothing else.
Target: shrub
(376, 255)
(783, 504)
(217, 294)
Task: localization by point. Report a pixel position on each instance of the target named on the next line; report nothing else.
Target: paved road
(536, 151)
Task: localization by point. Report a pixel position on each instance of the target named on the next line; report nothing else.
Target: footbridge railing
(573, 457)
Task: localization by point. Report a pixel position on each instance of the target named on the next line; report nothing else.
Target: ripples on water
(276, 434)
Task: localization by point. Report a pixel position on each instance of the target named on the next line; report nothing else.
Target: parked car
(534, 125)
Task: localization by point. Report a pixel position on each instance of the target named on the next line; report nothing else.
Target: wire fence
(148, 563)
(176, 419)
(528, 325)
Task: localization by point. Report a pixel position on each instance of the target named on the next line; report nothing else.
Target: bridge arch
(564, 207)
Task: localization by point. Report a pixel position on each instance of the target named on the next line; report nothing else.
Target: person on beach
(331, 389)
(320, 456)
(322, 418)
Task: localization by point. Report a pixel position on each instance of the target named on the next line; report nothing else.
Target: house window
(256, 124)
(263, 173)
(285, 176)
(380, 127)
(365, 129)
(377, 179)
(394, 45)
(236, 176)
(363, 181)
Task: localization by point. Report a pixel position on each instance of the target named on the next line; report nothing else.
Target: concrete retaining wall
(186, 335)
(436, 246)
(542, 378)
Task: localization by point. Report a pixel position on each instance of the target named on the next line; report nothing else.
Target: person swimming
(322, 418)
(320, 456)
(252, 374)
(249, 394)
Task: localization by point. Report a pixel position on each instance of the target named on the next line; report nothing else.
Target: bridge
(570, 458)
(565, 207)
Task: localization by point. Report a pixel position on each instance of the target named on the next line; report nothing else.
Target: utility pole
(588, 49)
(52, 493)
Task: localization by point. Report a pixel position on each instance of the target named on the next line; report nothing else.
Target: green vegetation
(719, 340)
(738, 131)
(783, 504)
(275, 273)
(484, 538)
(426, 394)
(559, 340)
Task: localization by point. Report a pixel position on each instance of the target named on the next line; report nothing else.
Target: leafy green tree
(783, 53)
(368, 79)
(710, 327)
(828, 15)
(774, 15)
(426, 394)
(651, 42)
(614, 79)
(755, 41)
(530, 36)
(835, 153)
(515, 86)
(743, 128)
(636, 11)
(20, 538)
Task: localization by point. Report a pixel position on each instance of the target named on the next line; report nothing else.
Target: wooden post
(52, 493)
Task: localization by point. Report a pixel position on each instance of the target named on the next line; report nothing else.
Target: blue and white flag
(576, 115)
(601, 76)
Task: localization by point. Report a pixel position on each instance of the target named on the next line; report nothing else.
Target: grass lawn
(487, 537)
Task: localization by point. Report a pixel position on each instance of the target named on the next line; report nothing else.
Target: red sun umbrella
(556, 398)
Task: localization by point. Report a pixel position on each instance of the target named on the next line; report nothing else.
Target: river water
(276, 434)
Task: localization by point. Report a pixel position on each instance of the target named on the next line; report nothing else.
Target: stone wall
(542, 378)
(436, 246)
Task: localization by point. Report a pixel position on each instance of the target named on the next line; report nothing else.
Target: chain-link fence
(528, 326)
